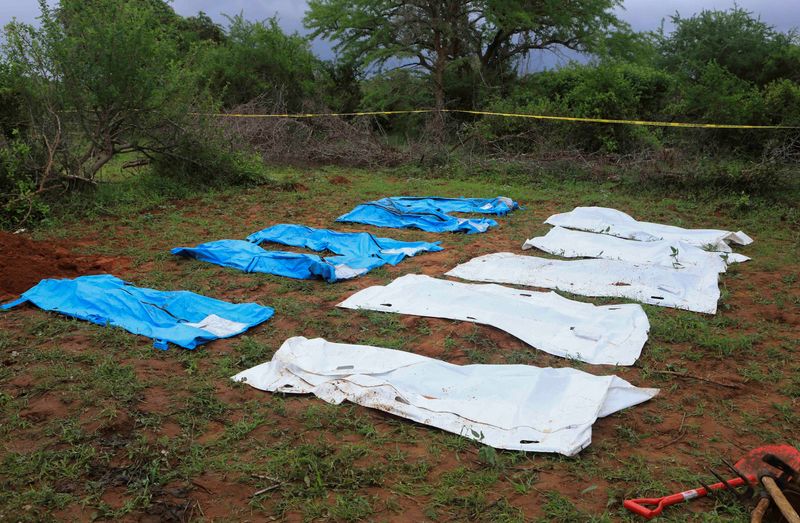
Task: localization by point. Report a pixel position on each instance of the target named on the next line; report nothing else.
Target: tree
(736, 40)
(201, 28)
(486, 35)
(11, 100)
(257, 58)
(99, 78)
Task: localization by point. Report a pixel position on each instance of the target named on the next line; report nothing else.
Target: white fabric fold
(668, 253)
(218, 326)
(694, 290)
(611, 334)
(616, 223)
(515, 407)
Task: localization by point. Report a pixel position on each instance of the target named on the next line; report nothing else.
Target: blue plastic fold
(180, 317)
(430, 214)
(356, 253)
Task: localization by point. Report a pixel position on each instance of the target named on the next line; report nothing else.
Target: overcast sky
(641, 14)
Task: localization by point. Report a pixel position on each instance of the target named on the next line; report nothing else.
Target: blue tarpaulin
(430, 214)
(356, 252)
(180, 317)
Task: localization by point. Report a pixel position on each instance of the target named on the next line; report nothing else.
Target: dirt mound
(23, 262)
(340, 180)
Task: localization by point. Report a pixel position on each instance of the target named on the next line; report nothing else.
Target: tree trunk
(439, 96)
(438, 84)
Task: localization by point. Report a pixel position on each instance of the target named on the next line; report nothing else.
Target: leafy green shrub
(732, 68)
(202, 157)
(99, 79)
(718, 96)
(258, 58)
(606, 90)
(19, 199)
(736, 40)
(11, 100)
(715, 67)
(782, 102)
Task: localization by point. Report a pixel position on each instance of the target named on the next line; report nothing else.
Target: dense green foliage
(258, 58)
(745, 46)
(96, 80)
(606, 90)
(722, 67)
(18, 201)
(12, 116)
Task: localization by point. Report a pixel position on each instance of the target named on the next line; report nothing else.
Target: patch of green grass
(116, 381)
(38, 482)
(248, 352)
(462, 493)
(714, 335)
(46, 326)
(338, 418)
(351, 507)
(242, 428)
(558, 508)
(201, 405)
(792, 386)
(309, 471)
(6, 340)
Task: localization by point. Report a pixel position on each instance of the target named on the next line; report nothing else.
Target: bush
(715, 67)
(103, 78)
(717, 96)
(100, 78)
(736, 40)
(607, 90)
(782, 102)
(732, 68)
(11, 100)
(20, 200)
(258, 58)
(202, 157)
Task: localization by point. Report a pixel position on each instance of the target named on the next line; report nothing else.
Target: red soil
(24, 262)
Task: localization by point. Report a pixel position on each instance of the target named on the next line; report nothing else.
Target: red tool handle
(649, 508)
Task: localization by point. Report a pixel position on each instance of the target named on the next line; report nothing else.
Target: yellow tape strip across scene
(511, 115)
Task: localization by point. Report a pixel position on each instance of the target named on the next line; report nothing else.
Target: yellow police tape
(511, 115)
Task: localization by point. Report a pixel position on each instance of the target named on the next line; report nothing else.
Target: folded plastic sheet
(498, 206)
(514, 407)
(613, 334)
(689, 289)
(668, 253)
(430, 214)
(616, 223)
(357, 253)
(345, 244)
(180, 317)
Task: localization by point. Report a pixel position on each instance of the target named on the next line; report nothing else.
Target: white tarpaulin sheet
(515, 407)
(668, 253)
(612, 335)
(617, 223)
(694, 290)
